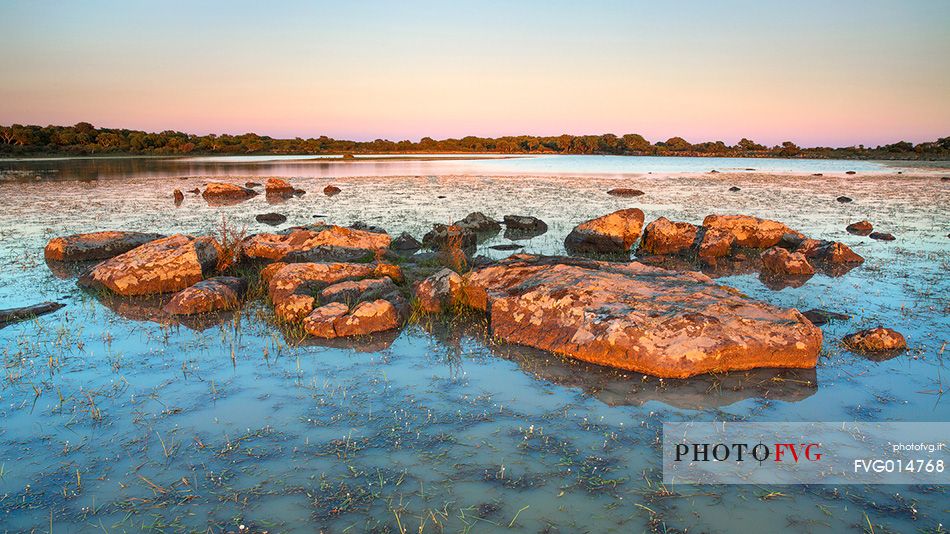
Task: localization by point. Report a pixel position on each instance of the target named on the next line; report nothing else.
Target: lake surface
(110, 420)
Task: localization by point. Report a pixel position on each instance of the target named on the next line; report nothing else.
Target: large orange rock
(336, 320)
(95, 245)
(611, 234)
(222, 194)
(664, 236)
(751, 232)
(293, 288)
(716, 243)
(639, 318)
(278, 246)
(278, 186)
(213, 294)
(161, 266)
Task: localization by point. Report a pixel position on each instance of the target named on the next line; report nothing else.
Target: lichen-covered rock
(639, 318)
(861, 228)
(95, 245)
(664, 236)
(293, 287)
(278, 246)
(213, 294)
(437, 292)
(875, 340)
(611, 234)
(161, 266)
(751, 232)
(781, 262)
(336, 320)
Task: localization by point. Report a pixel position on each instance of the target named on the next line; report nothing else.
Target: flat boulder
(162, 266)
(664, 236)
(220, 293)
(751, 232)
(337, 320)
(625, 192)
(438, 292)
(819, 317)
(861, 228)
(882, 236)
(217, 193)
(636, 317)
(271, 218)
(875, 340)
(614, 233)
(278, 246)
(779, 261)
(95, 245)
(844, 200)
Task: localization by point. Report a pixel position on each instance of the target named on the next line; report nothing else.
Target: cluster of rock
(335, 281)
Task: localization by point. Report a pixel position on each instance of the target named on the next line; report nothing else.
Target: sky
(819, 73)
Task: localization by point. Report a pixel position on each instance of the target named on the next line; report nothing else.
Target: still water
(110, 420)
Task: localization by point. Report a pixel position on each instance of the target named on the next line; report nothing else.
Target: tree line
(84, 139)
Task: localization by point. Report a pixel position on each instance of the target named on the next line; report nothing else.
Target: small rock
(523, 227)
(252, 185)
(882, 236)
(13, 315)
(276, 186)
(272, 218)
(506, 246)
(862, 228)
(779, 261)
(441, 196)
(195, 191)
(179, 197)
(850, 172)
(437, 292)
(817, 174)
(844, 200)
(714, 171)
(625, 192)
(734, 189)
(875, 340)
(479, 223)
(214, 294)
(441, 234)
(405, 242)
(331, 190)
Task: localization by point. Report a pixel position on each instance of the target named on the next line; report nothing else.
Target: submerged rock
(278, 246)
(635, 317)
(611, 234)
(95, 245)
(507, 246)
(271, 218)
(875, 340)
(664, 236)
(751, 232)
(862, 228)
(882, 236)
(625, 192)
(213, 294)
(438, 292)
(13, 315)
(820, 317)
(781, 262)
(161, 266)
(844, 199)
(336, 320)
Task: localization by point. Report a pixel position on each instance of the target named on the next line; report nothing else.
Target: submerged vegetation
(85, 139)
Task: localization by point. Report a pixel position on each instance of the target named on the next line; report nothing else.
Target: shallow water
(110, 421)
